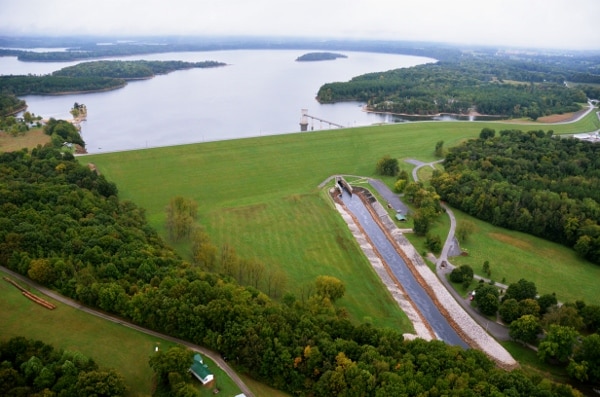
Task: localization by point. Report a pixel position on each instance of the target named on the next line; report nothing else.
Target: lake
(259, 92)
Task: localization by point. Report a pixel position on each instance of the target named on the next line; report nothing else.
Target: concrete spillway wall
(462, 322)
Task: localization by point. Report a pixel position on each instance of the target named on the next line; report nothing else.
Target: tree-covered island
(320, 56)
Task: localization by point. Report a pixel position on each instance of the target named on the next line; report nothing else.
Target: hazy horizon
(551, 24)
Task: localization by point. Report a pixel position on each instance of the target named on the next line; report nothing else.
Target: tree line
(64, 226)
(489, 85)
(33, 368)
(130, 69)
(528, 181)
(566, 334)
(10, 104)
(44, 85)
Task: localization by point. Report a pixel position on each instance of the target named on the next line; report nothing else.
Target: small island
(319, 56)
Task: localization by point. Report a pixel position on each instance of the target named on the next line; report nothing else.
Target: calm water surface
(260, 92)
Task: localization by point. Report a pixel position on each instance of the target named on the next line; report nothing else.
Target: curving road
(443, 267)
(216, 357)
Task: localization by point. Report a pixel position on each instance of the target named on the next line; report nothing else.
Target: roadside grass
(425, 173)
(532, 365)
(109, 344)
(260, 389)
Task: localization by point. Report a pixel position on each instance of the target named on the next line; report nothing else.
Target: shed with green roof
(201, 371)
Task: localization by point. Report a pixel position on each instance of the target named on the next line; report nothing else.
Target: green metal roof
(400, 217)
(199, 368)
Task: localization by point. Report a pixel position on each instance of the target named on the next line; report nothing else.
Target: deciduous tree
(525, 329)
(557, 344)
(520, 290)
(181, 215)
(387, 166)
(330, 287)
(486, 298)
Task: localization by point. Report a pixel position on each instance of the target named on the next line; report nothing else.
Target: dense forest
(48, 85)
(10, 104)
(93, 76)
(531, 182)
(130, 69)
(32, 368)
(487, 85)
(64, 226)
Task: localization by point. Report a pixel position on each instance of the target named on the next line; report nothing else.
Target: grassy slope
(260, 195)
(514, 255)
(274, 176)
(110, 345)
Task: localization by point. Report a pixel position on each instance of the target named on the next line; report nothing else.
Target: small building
(401, 217)
(201, 371)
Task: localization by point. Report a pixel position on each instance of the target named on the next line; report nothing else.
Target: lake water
(260, 92)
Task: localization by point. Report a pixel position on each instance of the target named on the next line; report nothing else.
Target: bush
(387, 166)
(462, 274)
(434, 243)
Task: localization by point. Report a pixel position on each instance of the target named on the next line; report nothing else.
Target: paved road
(216, 357)
(389, 196)
(498, 331)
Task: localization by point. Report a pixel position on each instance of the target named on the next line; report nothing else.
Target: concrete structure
(306, 116)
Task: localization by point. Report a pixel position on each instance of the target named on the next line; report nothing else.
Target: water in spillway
(413, 289)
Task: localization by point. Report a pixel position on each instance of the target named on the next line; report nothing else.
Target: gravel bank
(460, 320)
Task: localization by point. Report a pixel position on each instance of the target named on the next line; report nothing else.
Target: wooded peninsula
(91, 76)
(488, 84)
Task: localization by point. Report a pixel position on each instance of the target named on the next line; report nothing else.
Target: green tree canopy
(525, 329)
(387, 166)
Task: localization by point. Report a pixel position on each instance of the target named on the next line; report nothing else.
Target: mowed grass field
(261, 196)
(554, 268)
(111, 345)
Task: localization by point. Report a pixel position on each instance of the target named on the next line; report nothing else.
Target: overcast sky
(568, 24)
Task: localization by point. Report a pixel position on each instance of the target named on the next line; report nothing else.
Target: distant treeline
(80, 49)
(497, 86)
(531, 182)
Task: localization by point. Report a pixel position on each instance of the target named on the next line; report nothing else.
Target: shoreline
(81, 92)
(366, 109)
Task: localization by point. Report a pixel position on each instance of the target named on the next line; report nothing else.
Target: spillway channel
(413, 289)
